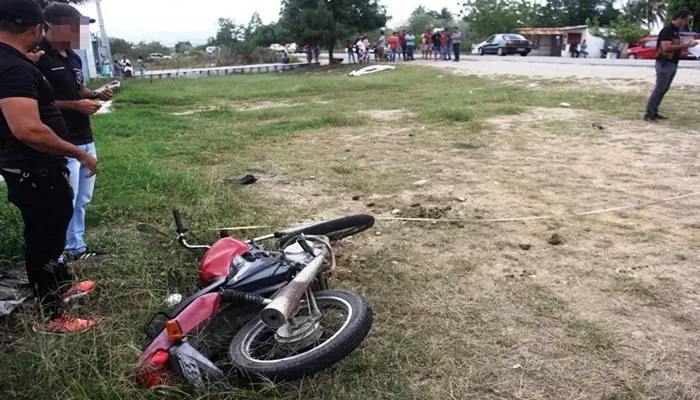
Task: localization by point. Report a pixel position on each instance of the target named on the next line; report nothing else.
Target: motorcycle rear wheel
(257, 354)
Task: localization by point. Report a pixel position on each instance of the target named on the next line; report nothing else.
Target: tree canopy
(487, 17)
(326, 22)
(675, 5)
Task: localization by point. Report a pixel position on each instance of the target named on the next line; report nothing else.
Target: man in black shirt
(32, 161)
(64, 70)
(668, 53)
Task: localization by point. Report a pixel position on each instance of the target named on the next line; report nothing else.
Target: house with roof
(557, 42)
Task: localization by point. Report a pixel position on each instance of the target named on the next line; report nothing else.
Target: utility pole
(103, 33)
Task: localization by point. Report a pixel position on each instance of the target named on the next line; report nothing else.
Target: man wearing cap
(32, 161)
(64, 70)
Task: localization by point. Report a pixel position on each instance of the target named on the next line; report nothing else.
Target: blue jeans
(456, 47)
(446, 53)
(394, 53)
(351, 57)
(409, 52)
(82, 195)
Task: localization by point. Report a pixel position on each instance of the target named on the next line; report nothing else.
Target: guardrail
(215, 71)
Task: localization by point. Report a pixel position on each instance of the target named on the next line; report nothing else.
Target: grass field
(462, 311)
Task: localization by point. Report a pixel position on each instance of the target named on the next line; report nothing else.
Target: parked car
(213, 49)
(645, 49)
(158, 57)
(506, 43)
(278, 48)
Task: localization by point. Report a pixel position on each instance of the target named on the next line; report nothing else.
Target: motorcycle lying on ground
(273, 312)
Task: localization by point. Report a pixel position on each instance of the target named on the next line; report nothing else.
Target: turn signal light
(174, 330)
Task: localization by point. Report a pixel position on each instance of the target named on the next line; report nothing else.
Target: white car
(213, 49)
(278, 48)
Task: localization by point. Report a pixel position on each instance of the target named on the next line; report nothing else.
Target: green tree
(675, 5)
(44, 3)
(647, 12)
(228, 33)
(120, 47)
(486, 17)
(326, 22)
(620, 32)
(181, 47)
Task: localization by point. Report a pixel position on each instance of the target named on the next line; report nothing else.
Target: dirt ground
(609, 310)
(528, 68)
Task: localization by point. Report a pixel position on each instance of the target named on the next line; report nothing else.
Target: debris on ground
(246, 180)
(598, 126)
(555, 240)
(395, 211)
(356, 197)
(421, 182)
(371, 70)
(371, 204)
(525, 246)
(565, 105)
(461, 199)
(415, 205)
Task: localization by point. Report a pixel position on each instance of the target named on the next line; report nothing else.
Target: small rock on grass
(555, 240)
(395, 211)
(461, 199)
(526, 246)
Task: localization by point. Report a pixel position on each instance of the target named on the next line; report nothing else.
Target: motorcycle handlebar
(178, 221)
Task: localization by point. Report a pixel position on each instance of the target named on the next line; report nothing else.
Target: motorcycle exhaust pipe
(285, 304)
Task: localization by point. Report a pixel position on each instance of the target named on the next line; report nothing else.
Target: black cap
(21, 12)
(57, 13)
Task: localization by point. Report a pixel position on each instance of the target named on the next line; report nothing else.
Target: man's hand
(89, 162)
(105, 95)
(35, 55)
(87, 107)
(691, 44)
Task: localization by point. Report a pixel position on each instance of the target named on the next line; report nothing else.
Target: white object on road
(371, 70)
(565, 105)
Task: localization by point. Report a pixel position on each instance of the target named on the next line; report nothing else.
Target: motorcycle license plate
(521, 49)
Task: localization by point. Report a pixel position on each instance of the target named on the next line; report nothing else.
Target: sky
(171, 21)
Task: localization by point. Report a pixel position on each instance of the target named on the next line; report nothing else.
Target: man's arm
(22, 116)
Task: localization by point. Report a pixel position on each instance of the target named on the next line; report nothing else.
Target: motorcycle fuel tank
(218, 260)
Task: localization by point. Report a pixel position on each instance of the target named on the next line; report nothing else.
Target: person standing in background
(116, 68)
(381, 47)
(668, 52)
(410, 45)
(427, 45)
(63, 69)
(402, 42)
(437, 47)
(33, 163)
(141, 66)
(393, 47)
(446, 44)
(350, 48)
(317, 52)
(456, 42)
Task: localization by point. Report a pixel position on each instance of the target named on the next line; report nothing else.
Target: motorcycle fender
(197, 313)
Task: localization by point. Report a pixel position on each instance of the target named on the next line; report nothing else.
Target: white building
(556, 42)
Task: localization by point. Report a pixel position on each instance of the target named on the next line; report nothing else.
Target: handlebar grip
(178, 221)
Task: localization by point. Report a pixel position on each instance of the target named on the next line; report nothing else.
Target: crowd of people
(440, 44)
(123, 67)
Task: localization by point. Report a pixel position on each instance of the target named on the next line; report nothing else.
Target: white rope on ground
(535, 218)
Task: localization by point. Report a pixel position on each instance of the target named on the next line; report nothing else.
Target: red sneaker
(64, 325)
(78, 290)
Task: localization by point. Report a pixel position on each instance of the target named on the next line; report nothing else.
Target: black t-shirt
(66, 77)
(436, 39)
(672, 34)
(20, 78)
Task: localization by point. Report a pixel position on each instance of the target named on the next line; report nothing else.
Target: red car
(645, 49)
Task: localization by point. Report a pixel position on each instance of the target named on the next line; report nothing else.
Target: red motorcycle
(272, 312)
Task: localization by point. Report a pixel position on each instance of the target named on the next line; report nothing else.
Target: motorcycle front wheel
(343, 322)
